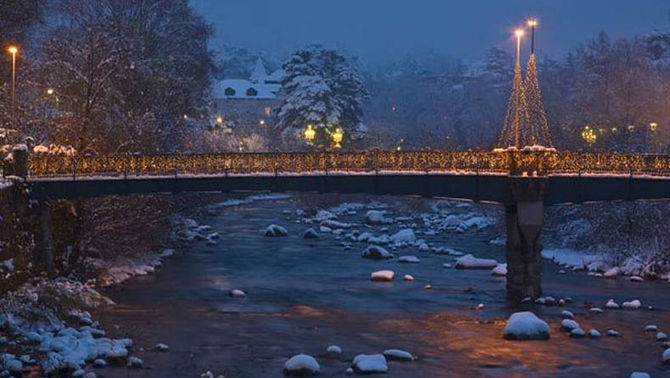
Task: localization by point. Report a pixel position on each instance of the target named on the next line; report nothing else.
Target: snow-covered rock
(613, 333)
(334, 350)
(398, 355)
(375, 252)
(161, 347)
(382, 276)
(526, 326)
(611, 273)
(403, 236)
(370, 363)
(99, 363)
(651, 328)
(323, 215)
(500, 270)
(428, 287)
(636, 279)
(274, 231)
(639, 374)
(567, 315)
(471, 262)
(594, 334)
(335, 225)
(408, 278)
(135, 362)
(632, 305)
(237, 293)
(409, 259)
(577, 333)
(302, 364)
(310, 233)
(569, 325)
(661, 336)
(666, 356)
(611, 304)
(375, 217)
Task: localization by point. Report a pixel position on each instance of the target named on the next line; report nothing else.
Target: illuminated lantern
(653, 126)
(309, 134)
(589, 135)
(337, 135)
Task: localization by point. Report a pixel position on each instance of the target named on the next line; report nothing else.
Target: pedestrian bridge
(480, 176)
(524, 181)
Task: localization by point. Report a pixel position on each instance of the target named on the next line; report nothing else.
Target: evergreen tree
(321, 88)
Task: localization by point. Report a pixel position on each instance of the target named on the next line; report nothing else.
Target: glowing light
(261, 122)
(532, 22)
(519, 33)
(12, 49)
(631, 128)
(338, 136)
(185, 117)
(219, 120)
(309, 134)
(653, 126)
(589, 136)
(50, 91)
(614, 129)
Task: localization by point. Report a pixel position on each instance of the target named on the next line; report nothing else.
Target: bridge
(524, 181)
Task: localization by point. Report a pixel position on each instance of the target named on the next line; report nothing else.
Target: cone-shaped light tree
(515, 117)
(537, 132)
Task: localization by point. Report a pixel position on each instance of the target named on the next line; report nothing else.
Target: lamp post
(337, 135)
(309, 134)
(518, 33)
(13, 50)
(532, 23)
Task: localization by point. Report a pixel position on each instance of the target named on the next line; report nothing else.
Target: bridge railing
(529, 163)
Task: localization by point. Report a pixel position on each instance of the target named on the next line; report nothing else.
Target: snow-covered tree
(128, 73)
(324, 89)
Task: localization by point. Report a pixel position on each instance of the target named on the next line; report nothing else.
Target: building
(245, 102)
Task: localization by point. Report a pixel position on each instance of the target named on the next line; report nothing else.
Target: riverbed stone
(526, 326)
(302, 365)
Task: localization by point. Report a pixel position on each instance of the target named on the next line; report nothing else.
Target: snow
(376, 217)
(577, 333)
(323, 215)
(651, 328)
(525, 326)
(310, 233)
(398, 355)
(274, 230)
(571, 258)
(302, 364)
(375, 252)
(408, 277)
(500, 270)
(409, 259)
(334, 225)
(594, 334)
(382, 276)
(632, 305)
(368, 364)
(250, 199)
(611, 273)
(237, 293)
(161, 347)
(611, 304)
(471, 262)
(403, 236)
(565, 314)
(661, 336)
(666, 356)
(334, 349)
(639, 374)
(135, 362)
(569, 325)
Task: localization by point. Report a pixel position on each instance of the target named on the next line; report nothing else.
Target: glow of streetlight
(13, 49)
(653, 126)
(309, 134)
(50, 91)
(519, 33)
(337, 135)
(532, 22)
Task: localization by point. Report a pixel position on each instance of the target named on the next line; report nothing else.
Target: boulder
(526, 326)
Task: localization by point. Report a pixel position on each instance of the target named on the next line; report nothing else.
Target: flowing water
(304, 295)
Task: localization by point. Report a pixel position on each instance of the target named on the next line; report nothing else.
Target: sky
(382, 30)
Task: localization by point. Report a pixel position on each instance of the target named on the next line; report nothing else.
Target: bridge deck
(478, 187)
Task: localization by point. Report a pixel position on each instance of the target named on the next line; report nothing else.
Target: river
(304, 295)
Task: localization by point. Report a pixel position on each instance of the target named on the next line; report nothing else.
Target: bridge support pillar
(524, 218)
(44, 246)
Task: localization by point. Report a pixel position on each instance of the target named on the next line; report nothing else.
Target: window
(251, 92)
(229, 92)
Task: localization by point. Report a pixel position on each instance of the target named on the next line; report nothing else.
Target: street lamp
(589, 135)
(309, 134)
(337, 135)
(50, 91)
(518, 33)
(13, 50)
(532, 22)
(653, 126)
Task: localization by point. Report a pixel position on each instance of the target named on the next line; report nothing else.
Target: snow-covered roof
(244, 89)
(276, 76)
(259, 74)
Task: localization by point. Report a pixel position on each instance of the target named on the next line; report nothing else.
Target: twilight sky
(377, 30)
